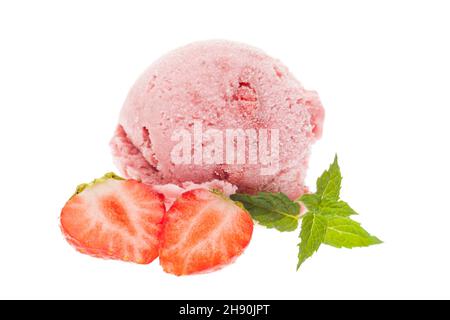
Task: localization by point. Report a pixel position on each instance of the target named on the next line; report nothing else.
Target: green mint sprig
(327, 220)
(272, 210)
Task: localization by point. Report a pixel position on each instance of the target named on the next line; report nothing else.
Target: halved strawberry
(115, 219)
(203, 231)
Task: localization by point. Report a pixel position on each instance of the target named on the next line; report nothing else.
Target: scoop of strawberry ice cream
(215, 86)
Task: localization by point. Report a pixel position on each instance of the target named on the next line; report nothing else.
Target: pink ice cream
(218, 85)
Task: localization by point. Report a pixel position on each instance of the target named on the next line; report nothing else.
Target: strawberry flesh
(115, 219)
(202, 232)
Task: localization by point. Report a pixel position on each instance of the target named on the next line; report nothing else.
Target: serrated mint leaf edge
(314, 230)
(328, 185)
(338, 208)
(362, 234)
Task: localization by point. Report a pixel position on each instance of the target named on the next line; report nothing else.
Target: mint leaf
(326, 200)
(329, 183)
(344, 232)
(326, 206)
(326, 222)
(311, 201)
(314, 229)
(327, 212)
(272, 210)
(338, 208)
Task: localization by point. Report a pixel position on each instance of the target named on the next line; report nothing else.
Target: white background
(382, 71)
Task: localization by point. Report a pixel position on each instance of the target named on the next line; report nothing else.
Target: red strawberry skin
(115, 219)
(203, 231)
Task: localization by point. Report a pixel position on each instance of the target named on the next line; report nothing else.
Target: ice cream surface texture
(218, 92)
